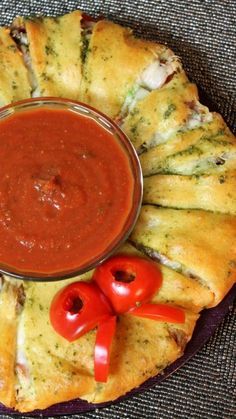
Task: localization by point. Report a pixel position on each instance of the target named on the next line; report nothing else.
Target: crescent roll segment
(8, 327)
(114, 62)
(161, 113)
(210, 155)
(208, 192)
(197, 243)
(141, 349)
(57, 370)
(54, 54)
(14, 82)
(152, 159)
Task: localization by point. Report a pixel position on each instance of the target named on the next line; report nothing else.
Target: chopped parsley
(84, 48)
(49, 50)
(171, 108)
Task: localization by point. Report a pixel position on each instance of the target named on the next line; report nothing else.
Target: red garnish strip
(123, 284)
(160, 312)
(105, 333)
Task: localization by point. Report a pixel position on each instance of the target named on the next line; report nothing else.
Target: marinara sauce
(66, 190)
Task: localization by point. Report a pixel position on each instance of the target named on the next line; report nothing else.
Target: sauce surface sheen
(66, 190)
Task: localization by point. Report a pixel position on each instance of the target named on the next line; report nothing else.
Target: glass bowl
(107, 124)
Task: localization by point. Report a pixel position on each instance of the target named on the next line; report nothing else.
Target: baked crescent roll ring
(186, 227)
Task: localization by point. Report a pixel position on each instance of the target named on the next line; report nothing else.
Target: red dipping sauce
(66, 191)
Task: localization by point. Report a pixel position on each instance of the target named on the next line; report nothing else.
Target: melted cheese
(161, 113)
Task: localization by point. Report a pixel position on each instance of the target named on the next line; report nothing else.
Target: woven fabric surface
(203, 34)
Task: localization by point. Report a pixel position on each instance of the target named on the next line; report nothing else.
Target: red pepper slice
(160, 312)
(105, 333)
(77, 309)
(128, 280)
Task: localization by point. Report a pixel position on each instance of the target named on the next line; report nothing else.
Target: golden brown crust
(55, 51)
(64, 370)
(8, 326)
(14, 82)
(162, 112)
(208, 192)
(198, 242)
(54, 367)
(153, 160)
(213, 155)
(183, 291)
(176, 288)
(141, 349)
(114, 62)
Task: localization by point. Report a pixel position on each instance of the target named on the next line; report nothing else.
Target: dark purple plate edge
(206, 326)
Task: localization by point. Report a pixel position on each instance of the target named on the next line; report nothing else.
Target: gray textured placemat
(203, 34)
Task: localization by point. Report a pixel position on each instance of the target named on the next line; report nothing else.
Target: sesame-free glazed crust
(114, 61)
(208, 192)
(14, 80)
(8, 330)
(53, 54)
(198, 243)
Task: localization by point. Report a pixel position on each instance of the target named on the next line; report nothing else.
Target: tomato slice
(77, 309)
(160, 312)
(128, 280)
(105, 333)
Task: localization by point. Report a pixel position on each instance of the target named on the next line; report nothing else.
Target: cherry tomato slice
(160, 312)
(128, 280)
(105, 333)
(78, 308)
